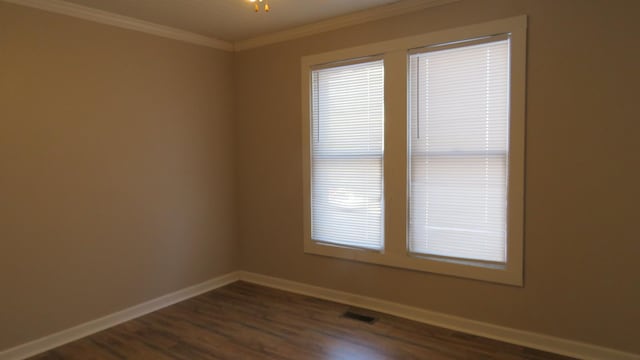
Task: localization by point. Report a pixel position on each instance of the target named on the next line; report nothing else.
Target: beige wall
(116, 170)
(120, 159)
(582, 273)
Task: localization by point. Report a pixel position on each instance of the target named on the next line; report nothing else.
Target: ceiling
(231, 20)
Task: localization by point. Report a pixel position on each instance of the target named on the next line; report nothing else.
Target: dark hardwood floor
(246, 321)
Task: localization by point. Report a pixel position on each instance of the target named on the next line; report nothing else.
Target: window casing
(454, 142)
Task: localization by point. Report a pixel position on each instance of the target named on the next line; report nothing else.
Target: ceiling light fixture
(261, 4)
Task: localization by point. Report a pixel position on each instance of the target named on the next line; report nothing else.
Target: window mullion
(395, 159)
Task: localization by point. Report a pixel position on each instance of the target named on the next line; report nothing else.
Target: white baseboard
(519, 337)
(65, 336)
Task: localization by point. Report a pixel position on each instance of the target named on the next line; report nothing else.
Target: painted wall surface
(582, 274)
(132, 166)
(116, 170)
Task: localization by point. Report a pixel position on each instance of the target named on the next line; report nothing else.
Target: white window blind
(459, 113)
(347, 154)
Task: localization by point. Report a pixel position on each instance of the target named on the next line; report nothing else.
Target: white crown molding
(125, 22)
(360, 17)
(77, 332)
(514, 336)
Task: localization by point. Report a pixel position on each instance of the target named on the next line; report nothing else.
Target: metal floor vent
(359, 317)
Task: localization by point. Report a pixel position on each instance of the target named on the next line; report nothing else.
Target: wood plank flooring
(247, 321)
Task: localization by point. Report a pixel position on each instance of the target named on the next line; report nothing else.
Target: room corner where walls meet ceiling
(230, 25)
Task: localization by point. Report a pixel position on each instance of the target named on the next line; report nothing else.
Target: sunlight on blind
(347, 152)
(459, 111)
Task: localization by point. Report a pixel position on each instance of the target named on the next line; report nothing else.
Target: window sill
(507, 274)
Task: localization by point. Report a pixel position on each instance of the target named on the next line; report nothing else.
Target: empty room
(328, 179)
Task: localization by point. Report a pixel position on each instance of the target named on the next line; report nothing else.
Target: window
(459, 111)
(414, 152)
(346, 161)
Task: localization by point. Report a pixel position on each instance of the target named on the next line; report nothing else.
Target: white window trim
(395, 253)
